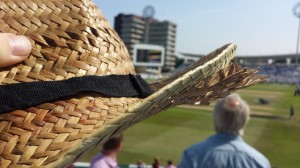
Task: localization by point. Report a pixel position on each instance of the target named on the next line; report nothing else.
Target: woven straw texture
(72, 38)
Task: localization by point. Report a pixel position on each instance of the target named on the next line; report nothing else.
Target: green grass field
(167, 134)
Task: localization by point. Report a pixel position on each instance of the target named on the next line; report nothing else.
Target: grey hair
(231, 115)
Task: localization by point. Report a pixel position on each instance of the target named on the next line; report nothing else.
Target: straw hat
(72, 39)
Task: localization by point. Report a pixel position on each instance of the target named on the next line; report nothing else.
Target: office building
(132, 30)
(164, 34)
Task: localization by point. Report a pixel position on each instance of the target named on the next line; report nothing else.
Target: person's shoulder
(99, 161)
(255, 155)
(198, 148)
(251, 150)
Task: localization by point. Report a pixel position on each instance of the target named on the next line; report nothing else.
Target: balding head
(231, 115)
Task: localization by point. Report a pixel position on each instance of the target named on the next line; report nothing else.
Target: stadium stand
(289, 74)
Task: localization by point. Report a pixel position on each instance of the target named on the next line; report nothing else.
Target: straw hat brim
(214, 76)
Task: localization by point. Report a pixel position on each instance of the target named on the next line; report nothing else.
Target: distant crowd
(289, 74)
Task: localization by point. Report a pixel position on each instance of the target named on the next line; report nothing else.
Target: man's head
(231, 114)
(114, 144)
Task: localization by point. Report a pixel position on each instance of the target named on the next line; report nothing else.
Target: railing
(86, 165)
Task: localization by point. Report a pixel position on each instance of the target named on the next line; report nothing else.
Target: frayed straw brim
(215, 76)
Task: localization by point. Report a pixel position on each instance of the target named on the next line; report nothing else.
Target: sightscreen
(148, 55)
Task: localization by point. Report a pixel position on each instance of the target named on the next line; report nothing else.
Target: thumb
(13, 49)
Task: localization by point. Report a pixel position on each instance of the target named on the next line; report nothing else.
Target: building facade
(164, 34)
(132, 29)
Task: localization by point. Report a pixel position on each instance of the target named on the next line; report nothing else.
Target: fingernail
(19, 45)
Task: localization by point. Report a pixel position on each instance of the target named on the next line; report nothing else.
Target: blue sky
(258, 27)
